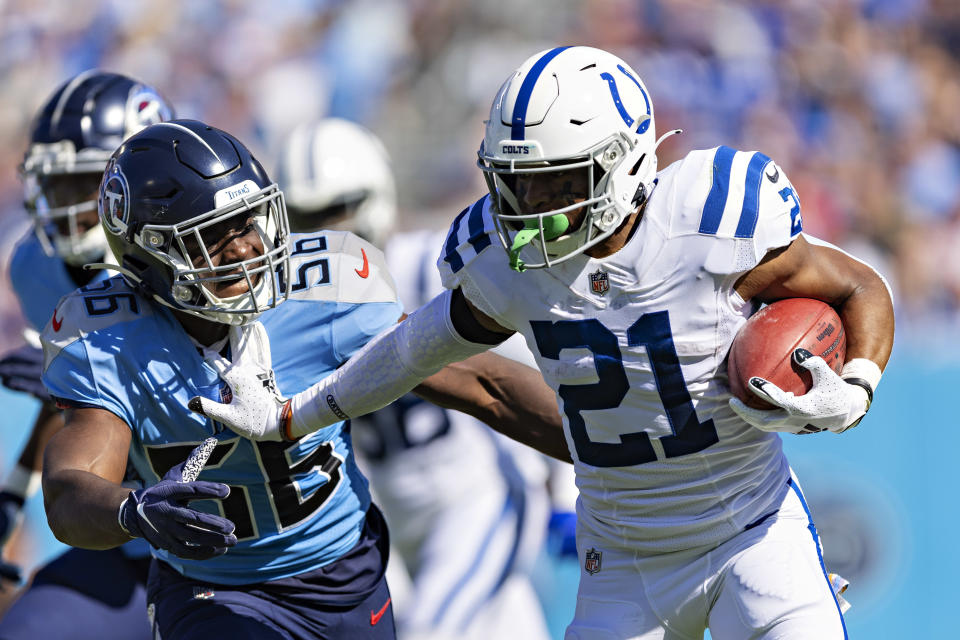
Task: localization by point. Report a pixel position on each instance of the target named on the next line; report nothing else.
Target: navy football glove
(20, 370)
(160, 514)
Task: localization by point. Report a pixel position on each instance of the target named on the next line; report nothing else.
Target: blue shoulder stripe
(526, 89)
(751, 196)
(717, 199)
(450, 254)
(479, 238)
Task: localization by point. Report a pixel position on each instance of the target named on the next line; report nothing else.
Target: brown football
(764, 346)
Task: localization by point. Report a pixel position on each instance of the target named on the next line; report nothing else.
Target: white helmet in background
(336, 175)
(569, 108)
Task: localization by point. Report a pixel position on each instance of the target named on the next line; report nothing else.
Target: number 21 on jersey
(651, 331)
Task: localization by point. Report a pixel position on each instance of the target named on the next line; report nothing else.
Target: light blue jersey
(296, 506)
(40, 280)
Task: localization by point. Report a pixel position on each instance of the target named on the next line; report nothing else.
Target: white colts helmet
(336, 175)
(569, 108)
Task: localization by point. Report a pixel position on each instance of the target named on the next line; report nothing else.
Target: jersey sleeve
(344, 280)
(741, 200)
(472, 259)
(77, 371)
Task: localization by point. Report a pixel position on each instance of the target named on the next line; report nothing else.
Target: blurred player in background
(282, 541)
(629, 285)
(466, 507)
(81, 593)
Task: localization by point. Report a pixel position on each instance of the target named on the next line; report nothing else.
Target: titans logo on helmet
(145, 107)
(114, 200)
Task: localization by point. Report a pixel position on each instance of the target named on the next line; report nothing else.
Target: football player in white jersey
(466, 508)
(629, 285)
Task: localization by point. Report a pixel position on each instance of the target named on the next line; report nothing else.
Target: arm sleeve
(388, 366)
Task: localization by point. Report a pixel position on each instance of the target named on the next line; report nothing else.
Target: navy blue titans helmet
(169, 194)
(71, 139)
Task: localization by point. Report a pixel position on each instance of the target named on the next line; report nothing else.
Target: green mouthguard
(553, 227)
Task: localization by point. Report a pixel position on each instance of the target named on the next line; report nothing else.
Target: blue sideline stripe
(646, 123)
(451, 256)
(526, 89)
(816, 541)
(479, 238)
(751, 196)
(713, 207)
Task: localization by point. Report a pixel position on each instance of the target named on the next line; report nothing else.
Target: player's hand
(255, 411)
(831, 403)
(161, 515)
(20, 370)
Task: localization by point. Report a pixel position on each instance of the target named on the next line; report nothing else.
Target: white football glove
(255, 411)
(832, 403)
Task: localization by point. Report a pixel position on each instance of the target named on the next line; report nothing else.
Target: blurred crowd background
(857, 100)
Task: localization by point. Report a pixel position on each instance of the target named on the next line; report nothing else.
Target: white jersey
(634, 345)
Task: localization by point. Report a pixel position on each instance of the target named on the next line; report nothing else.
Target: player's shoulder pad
(729, 194)
(472, 232)
(338, 266)
(738, 196)
(92, 308)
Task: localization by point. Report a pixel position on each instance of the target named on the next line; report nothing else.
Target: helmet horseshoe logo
(644, 120)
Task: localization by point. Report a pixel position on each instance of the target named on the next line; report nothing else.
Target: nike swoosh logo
(775, 175)
(56, 323)
(364, 271)
(375, 617)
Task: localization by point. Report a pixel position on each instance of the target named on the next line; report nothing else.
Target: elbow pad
(387, 367)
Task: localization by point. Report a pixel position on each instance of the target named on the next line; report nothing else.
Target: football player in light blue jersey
(275, 539)
(81, 593)
(629, 285)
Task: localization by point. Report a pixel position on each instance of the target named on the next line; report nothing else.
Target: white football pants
(766, 582)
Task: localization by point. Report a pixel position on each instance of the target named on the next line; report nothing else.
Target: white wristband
(22, 482)
(862, 368)
(388, 366)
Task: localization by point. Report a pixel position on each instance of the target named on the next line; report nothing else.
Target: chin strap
(553, 227)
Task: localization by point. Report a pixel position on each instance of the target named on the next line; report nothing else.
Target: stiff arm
(510, 397)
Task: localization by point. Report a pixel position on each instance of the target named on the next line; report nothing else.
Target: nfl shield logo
(592, 562)
(599, 282)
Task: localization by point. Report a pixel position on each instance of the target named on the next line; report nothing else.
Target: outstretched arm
(510, 397)
(445, 330)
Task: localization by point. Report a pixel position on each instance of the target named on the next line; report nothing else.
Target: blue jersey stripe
(816, 541)
(717, 199)
(526, 90)
(451, 256)
(479, 239)
(751, 196)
